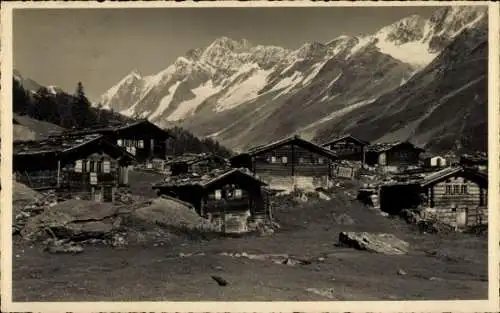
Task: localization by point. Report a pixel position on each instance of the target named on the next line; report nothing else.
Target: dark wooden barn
(395, 197)
(478, 161)
(457, 196)
(143, 139)
(348, 147)
(393, 156)
(288, 164)
(231, 197)
(196, 163)
(88, 166)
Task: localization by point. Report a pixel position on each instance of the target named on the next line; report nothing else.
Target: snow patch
(340, 112)
(165, 101)
(52, 89)
(362, 42)
(188, 107)
(415, 52)
(287, 84)
(244, 91)
(315, 70)
(333, 81)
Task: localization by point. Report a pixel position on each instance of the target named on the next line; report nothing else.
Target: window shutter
(79, 166)
(218, 195)
(93, 178)
(106, 166)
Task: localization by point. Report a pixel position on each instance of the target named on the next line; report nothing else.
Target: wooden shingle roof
(331, 141)
(293, 140)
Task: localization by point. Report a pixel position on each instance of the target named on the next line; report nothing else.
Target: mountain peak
(135, 73)
(230, 44)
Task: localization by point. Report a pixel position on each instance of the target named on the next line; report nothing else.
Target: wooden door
(108, 193)
(461, 217)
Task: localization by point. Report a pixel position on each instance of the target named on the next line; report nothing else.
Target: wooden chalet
(195, 163)
(231, 197)
(291, 163)
(88, 166)
(394, 156)
(457, 196)
(348, 147)
(143, 139)
(478, 161)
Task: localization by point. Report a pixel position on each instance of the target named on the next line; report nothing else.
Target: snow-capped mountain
(443, 107)
(33, 86)
(245, 94)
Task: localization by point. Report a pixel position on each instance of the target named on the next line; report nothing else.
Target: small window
(93, 178)
(79, 166)
(119, 142)
(456, 189)
(238, 194)
(98, 166)
(273, 159)
(301, 160)
(106, 166)
(140, 144)
(92, 167)
(448, 190)
(284, 160)
(464, 189)
(218, 195)
(321, 161)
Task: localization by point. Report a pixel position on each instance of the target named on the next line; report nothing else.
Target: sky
(100, 46)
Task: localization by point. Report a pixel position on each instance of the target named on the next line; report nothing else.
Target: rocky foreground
(328, 247)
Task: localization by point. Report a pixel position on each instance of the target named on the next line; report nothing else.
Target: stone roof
(52, 144)
(194, 179)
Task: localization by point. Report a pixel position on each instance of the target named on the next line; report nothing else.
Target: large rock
(374, 242)
(73, 219)
(170, 212)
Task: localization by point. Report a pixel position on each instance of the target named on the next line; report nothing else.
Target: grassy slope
(31, 128)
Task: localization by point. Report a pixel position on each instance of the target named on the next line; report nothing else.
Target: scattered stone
(343, 219)
(402, 272)
(374, 242)
(324, 292)
(324, 196)
(62, 246)
(321, 259)
(435, 278)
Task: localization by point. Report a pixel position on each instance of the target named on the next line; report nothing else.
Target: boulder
(73, 219)
(374, 242)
